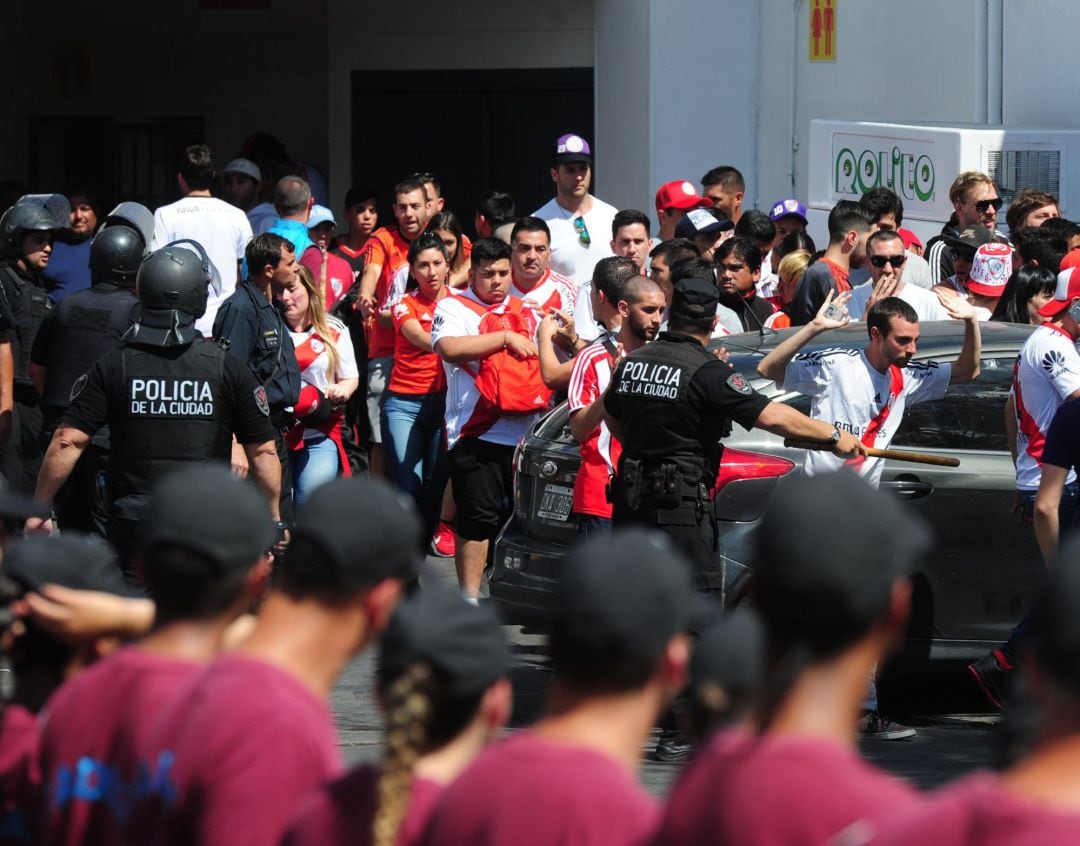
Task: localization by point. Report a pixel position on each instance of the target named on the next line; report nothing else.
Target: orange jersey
(388, 248)
(416, 371)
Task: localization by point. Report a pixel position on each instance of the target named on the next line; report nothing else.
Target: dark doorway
(120, 160)
(478, 130)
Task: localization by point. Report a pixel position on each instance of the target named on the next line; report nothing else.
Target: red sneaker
(443, 543)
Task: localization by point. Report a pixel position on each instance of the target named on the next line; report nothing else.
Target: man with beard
(849, 227)
(638, 305)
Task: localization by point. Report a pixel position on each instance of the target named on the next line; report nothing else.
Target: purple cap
(572, 148)
(782, 208)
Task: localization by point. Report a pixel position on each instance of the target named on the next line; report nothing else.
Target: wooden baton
(894, 454)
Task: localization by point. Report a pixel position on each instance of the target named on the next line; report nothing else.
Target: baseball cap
(15, 506)
(729, 653)
(990, 270)
(360, 530)
(695, 297)
(620, 599)
(790, 206)
(320, 215)
(702, 222)
(463, 643)
(1068, 289)
(70, 560)
(971, 238)
(572, 148)
(1072, 259)
(828, 551)
(245, 166)
(680, 194)
(909, 238)
(207, 510)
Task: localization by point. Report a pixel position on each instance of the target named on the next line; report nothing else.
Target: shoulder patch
(76, 389)
(738, 384)
(261, 401)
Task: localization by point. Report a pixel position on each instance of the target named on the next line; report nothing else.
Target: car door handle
(908, 488)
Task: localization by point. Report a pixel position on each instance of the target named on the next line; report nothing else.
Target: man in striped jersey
(638, 304)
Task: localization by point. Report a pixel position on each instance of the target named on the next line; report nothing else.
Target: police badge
(261, 401)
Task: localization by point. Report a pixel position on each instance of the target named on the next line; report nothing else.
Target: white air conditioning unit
(848, 158)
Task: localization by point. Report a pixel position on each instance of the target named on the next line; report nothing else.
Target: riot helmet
(137, 217)
(172, 288)
(115, 256)
(32, 213)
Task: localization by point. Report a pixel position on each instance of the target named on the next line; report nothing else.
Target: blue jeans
(591, 526)
(414, 439)
(316, 464)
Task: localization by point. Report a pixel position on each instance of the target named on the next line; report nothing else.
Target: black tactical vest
(171, 412)
(658, 424)
(87, 324)
(28, 303)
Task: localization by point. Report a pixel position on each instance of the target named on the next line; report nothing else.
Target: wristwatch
(835, 436)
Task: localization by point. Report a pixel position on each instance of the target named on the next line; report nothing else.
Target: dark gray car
(969, 593)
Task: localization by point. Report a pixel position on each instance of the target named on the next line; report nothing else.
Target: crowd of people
(231, 431)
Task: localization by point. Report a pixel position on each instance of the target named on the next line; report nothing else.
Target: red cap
(908, 237)
(1068, 289)
(1072, 259)
(680, 194)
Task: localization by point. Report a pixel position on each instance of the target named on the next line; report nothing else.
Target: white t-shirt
(917, 271)
(222, 230)
(553, 291)
(314, 360)
(568, 255)
(455, 319)
(926, 304)
(850, 393)
(1047, 372)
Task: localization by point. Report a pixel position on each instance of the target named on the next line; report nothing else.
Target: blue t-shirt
(68, 269)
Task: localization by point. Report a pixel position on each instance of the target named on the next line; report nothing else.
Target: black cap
(695, 298)
(70, 560)
(730, 653)
(622, 597)
(17, 507)
(971, 238)
(829, 550)
(463, 643)
(1056, 635)
(702, 222)
(209, 511)
(365, 530)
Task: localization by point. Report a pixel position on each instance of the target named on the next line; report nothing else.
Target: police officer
(251, 328)
(26, 239)
(169, 396)
(670, 403)
(82, 328)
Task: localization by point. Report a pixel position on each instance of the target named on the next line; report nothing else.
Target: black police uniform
(674, 401)
(253, 331)
(27, 303)
(82, 328)
(166, 407)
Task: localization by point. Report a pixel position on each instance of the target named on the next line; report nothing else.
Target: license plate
(555, 503)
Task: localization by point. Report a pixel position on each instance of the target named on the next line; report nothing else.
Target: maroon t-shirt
(90, 731)
(528, 790)
(344, 810)
(779, 791)
(20, 779)
(233, 756)
(979, 811)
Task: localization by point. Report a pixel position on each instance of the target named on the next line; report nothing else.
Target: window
(971, 416)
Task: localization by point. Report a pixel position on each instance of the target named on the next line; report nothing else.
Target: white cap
(320, 215)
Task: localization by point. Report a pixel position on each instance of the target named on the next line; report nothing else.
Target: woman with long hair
(449, 230)
(329, 376)
(413, 429)
(1029, 288)
(443, 687)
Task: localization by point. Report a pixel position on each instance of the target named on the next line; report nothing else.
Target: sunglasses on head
(881, 261)
(582, 231)
(983, 206)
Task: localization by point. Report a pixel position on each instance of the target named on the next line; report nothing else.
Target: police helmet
(133, 215)
(115, 256)
(172, 288)
(32, 213)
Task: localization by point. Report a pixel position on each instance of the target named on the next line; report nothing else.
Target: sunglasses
(881, 261)
(983, 206)
(582, 232)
